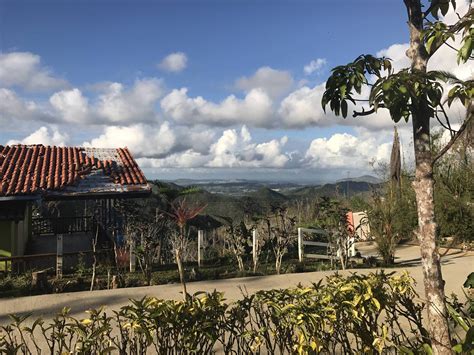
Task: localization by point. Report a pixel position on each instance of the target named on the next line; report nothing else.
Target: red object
(350, 222)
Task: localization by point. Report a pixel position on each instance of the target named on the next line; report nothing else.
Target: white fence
(331, 251)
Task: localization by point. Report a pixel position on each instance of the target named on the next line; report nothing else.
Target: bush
(374, 313)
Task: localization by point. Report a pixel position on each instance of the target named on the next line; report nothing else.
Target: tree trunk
(278, 261)
(240, 263)
(181, 272)
(94, 256)
(424, 190)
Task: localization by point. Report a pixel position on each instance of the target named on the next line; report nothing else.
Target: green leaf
(469, 283)
(466, 50)
(457, 348)
(344, 108)
(457, 317)
(468, 344)
(427, 348)
(386, 85)
(405, 350)
(429, 43)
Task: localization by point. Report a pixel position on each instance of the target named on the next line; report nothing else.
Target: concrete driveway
(457, 264)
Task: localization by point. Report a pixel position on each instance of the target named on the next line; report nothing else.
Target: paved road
(456, 266)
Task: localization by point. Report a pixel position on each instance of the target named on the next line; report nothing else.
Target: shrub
(375, 313)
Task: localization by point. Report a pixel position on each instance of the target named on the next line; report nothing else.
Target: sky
(202, 89)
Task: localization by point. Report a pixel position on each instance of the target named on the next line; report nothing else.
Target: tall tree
(417, 93)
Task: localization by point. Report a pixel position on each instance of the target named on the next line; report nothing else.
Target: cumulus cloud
(273, 82)
(303, 108)
(43, 136)
(141, 139)
(154, 141)
(233, 149)
(254, 109)
(71, 105)
(345, 151)
(115, 104)
(174, 62)
(24, 69)
(14, 109)
(314, 66)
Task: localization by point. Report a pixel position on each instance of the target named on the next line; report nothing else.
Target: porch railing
(61, 225)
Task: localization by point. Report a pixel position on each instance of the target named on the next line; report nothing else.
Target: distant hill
(364, 178)
(268, 195)
(237, 199)
(342, 188)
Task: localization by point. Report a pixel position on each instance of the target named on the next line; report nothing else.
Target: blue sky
(95, 72)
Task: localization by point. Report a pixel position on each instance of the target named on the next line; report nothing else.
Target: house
(35, 174)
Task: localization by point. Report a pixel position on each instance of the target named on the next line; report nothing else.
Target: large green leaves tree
(423, 96)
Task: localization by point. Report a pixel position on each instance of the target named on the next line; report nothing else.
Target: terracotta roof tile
(36, 169)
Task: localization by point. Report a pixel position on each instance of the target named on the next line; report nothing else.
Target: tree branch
(453, 139)
(453, 29)
(455, 49)
(366, 113)
(363, 113)
(451, 131)
(443, 125)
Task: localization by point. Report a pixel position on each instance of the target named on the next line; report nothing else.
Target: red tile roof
(36, 169)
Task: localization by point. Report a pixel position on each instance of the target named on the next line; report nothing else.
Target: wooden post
(59, 256)
(200, 245)
(352, 251)
(133, 258)
(254, 246)
(300, 245)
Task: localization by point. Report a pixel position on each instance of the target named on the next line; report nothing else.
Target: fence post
(300, 244)
(352, 246)
(200, 245)
(254, 246)
(133, 257)
(59, 256)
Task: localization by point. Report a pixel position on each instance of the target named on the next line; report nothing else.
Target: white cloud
(233, 149)
(303, 108)
(254, 109)
(272, 81)
(183, 160)
(154, 141)
(117, 104)
(14, 109)
(141, 139)
(174, 62)
(314, 66)
(345, 151)
(43, 136)
(24, 69)
(71, 105)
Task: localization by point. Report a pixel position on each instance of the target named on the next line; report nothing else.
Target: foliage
(392, 216)
(331, 215)
(238, 237)
(454, 175)
(375, 313)
(279, 227)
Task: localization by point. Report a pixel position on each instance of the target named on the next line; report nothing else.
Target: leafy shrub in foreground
(375, 313)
